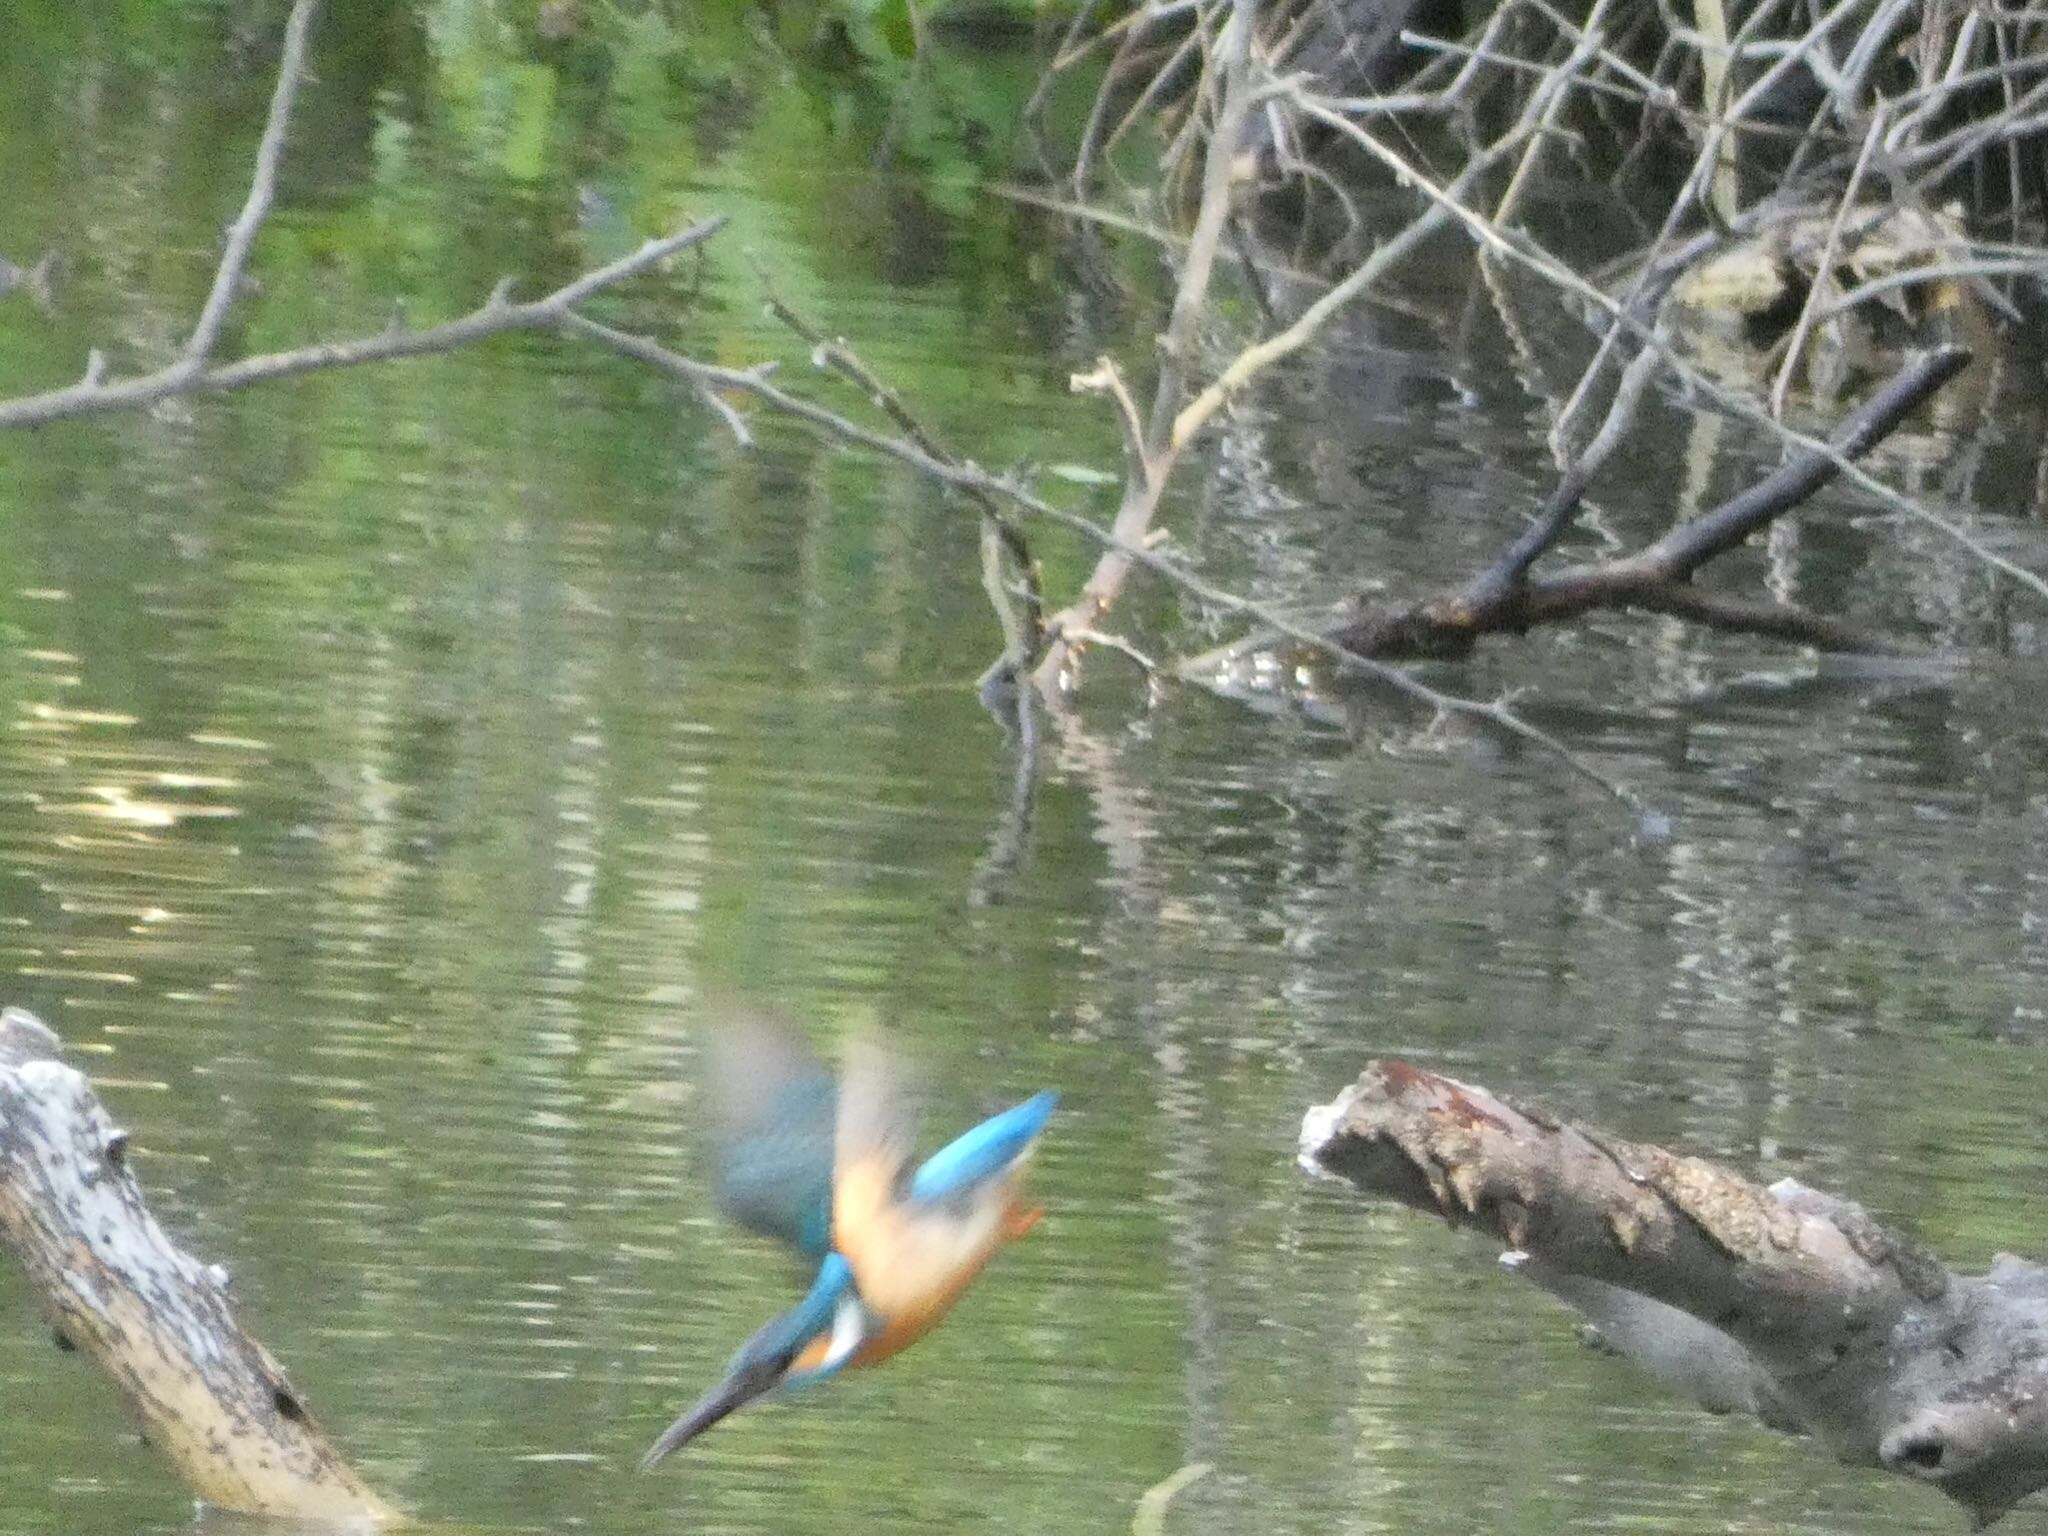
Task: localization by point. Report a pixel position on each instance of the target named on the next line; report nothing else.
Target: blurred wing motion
(916, 1243)
(773, 1105)
(874, 1138)
(830, 1172)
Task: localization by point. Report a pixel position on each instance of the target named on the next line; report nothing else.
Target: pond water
(398, 763)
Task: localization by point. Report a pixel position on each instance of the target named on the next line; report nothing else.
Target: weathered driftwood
(156, 1319)
(1784, 1302)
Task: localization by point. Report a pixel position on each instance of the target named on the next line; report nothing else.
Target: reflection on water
(393, 762)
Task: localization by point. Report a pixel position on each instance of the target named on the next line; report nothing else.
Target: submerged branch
(1508, 599)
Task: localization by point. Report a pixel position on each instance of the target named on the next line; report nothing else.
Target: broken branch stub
(152, 1316)
(1783, 1302)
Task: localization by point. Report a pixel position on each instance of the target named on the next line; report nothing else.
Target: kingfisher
(826, 1169)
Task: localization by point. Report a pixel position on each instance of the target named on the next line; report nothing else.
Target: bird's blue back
(778, 1110)
(978, 1155)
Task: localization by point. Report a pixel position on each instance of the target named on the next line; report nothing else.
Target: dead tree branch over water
(1834, 164)
(1152, 445)
(1508, 598)
(1236, 94)
(195, 370)
(1009, 571)
(1785, 1302)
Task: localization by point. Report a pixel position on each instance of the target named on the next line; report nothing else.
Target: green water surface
(392, 763)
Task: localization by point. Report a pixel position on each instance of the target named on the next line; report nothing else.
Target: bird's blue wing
(984, 1152)
(773, 1105)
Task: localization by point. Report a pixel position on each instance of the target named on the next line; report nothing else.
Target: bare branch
(1255, 359)
(1824, 268)
(1511, 572)
(1105, 378)
(1145, 481)
(735, 423)
(1658, 577)
(93, 395)
(1694, 542)
(1124, 648)
(291, 68)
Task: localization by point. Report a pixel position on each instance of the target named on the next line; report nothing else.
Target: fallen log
(1784, 1302)
(119, 1290)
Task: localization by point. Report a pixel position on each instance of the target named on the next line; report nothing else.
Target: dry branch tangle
(1846, 1329)
(153, 1317)
(1658, 578)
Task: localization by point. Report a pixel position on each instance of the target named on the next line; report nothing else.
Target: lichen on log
(158, 1321)
(1791, 1304)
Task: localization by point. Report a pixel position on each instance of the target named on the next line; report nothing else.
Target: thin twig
(1588, 46)
(1824, 269)
(2035, 267)
(1255, 359)
(1511, 572)
(1071, 51)
(1023, 634)
(291, 69)
(1122, 647)
(967, 476)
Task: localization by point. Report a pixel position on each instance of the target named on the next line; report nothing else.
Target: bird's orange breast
(911, 1264)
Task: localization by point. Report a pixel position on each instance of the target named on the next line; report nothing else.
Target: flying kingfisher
(826, 1169)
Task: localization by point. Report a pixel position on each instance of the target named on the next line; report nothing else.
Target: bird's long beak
(741, 1386)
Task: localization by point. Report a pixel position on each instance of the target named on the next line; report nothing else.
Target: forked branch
(1509, 599)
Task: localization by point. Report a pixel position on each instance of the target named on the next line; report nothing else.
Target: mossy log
(157, 1320)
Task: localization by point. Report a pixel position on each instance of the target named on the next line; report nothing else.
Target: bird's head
(808, 1343)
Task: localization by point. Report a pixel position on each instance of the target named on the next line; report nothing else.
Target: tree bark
(1784, 1302)
(149, 1314)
